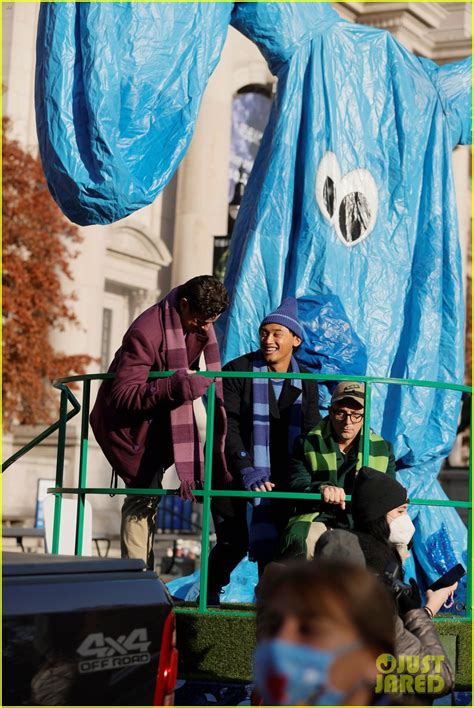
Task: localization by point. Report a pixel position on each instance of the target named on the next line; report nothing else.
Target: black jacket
(415, 632)
(238, 405)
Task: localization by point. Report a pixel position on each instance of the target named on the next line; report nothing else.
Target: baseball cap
(349, 389)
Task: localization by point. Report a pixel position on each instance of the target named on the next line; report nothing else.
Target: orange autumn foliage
(37, 247)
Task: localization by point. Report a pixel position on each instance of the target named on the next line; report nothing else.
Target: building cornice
(437, 30)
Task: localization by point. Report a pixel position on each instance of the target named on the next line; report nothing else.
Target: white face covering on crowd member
(401, 529)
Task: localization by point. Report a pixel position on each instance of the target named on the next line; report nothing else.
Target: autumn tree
(38, 244)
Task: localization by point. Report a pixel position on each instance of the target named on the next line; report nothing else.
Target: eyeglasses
(200, 322)
(342, 415)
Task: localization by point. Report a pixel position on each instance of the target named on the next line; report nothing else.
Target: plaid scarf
(320, 452)
(263, 533)
(187, 446)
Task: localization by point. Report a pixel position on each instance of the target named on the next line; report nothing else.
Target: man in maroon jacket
(144, 426)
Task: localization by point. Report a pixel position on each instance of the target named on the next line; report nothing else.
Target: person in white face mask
(384, 530)
(380, 507)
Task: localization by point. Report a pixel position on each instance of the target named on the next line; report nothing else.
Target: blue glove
(253, 478)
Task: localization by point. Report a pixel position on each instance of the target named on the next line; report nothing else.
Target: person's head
(379, 507)
(280, 333)
(326, 623)
(339, 545)
(201, 301)
(347, 411)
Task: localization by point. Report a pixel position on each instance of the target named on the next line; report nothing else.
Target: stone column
(201, 203)
(20, 21)
(88, 271)
(141, 299)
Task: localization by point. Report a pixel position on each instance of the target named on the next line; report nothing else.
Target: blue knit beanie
(286, 315)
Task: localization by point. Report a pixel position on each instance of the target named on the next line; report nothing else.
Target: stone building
(124, 267)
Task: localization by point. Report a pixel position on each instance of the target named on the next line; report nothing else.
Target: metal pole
(366, 428)
(60, 469)
(206, 508)
(81, 497)
(469, 531)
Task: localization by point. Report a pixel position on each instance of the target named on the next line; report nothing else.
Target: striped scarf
(261, 415)
(263, 534)
(187, 446)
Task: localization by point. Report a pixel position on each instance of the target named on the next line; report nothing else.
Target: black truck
(86, 631)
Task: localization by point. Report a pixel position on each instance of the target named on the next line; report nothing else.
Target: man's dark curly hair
(206, 295)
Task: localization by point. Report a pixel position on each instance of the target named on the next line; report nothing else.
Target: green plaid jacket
(314, 464)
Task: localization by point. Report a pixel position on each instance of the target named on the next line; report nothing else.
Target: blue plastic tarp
(351, 193)
(330, 345)
(241, 588)
(118, 89)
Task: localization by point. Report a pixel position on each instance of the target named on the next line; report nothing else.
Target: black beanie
(375, 494)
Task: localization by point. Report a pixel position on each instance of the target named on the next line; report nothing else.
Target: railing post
(366, 426)
(469, 532)
(60, 469)
(81, 498)
(206, 510)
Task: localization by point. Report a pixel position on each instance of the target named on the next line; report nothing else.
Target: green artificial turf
(462, 631)
(219, 648)
(214, 647)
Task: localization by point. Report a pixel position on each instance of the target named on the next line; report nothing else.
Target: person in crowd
(264, 417)
(326, 461)
(382, 533)
(144, 426)
(322, 630)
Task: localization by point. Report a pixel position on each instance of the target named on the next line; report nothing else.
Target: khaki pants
(137, 530)
(316, 530)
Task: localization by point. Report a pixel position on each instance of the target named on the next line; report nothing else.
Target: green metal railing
(76, 407)
(207, 492)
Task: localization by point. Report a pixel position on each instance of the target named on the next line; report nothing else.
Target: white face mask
(401, 529)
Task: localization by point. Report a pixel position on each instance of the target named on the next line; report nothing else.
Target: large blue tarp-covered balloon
(118, 89)
(351, 193)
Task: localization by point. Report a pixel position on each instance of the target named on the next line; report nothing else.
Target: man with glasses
(326, 462)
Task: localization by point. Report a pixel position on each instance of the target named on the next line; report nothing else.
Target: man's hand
(254, 481)
(334, 495)
(187, 385)
(263, 487)
(198, 384)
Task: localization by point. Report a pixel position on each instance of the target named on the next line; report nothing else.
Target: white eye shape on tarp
(349, 203)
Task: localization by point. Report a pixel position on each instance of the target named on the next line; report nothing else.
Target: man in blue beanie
(264, 417)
